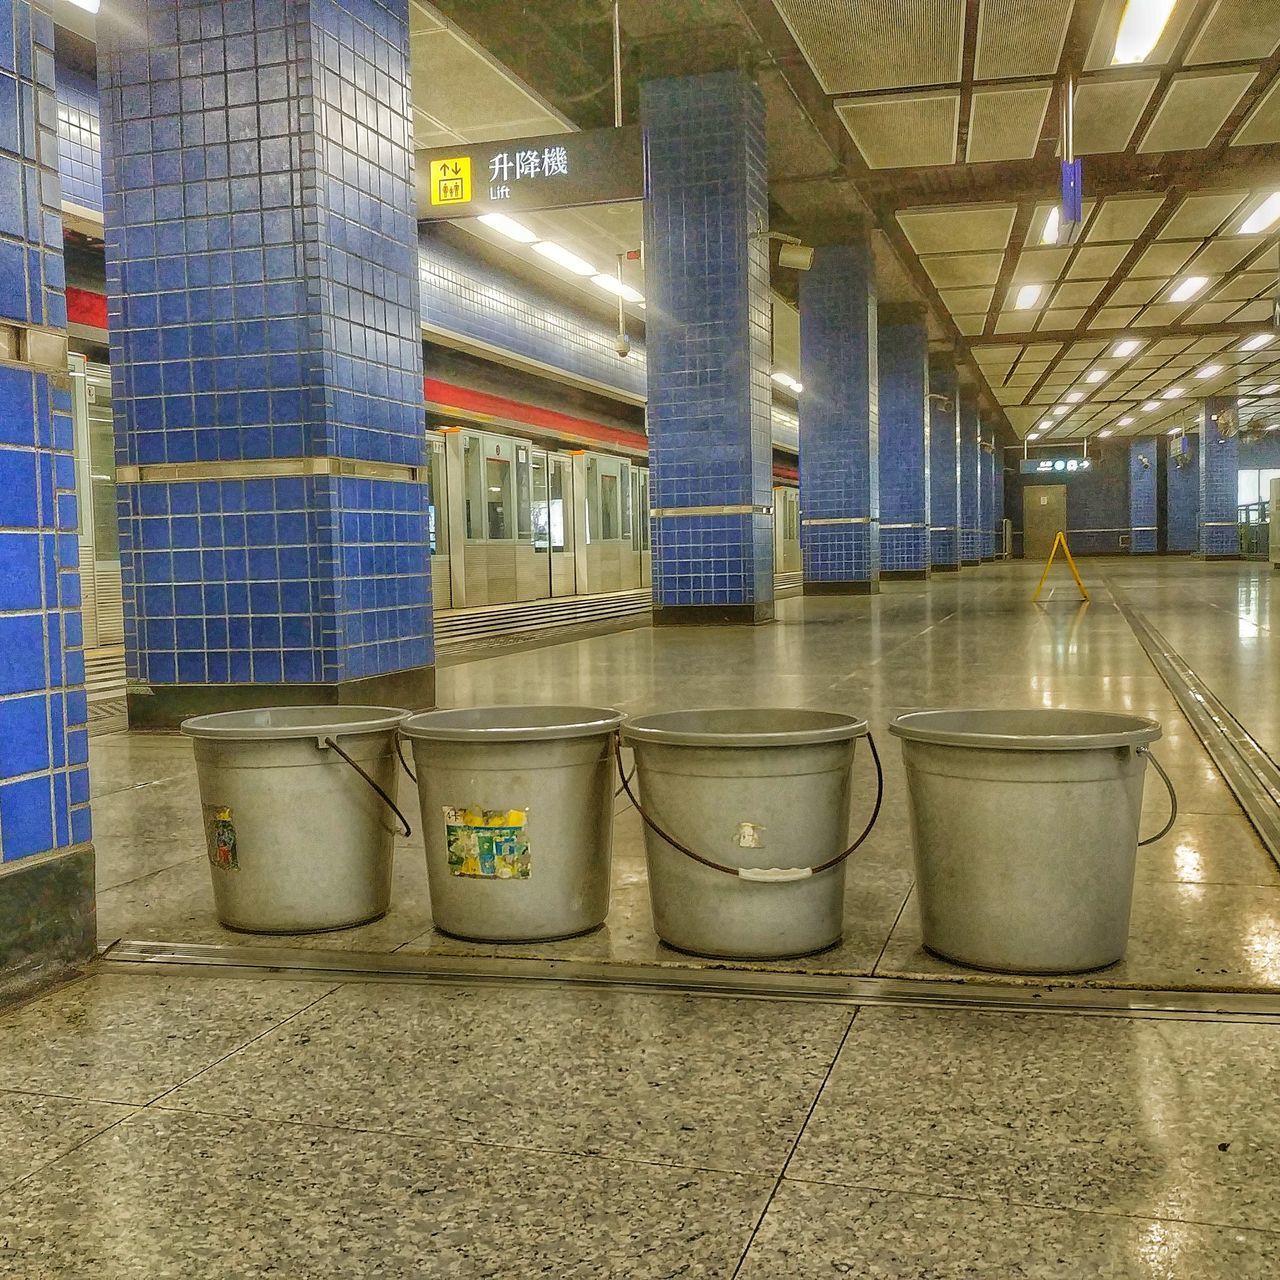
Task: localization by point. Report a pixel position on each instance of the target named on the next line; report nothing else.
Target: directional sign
(1054, 466)
(520, 175)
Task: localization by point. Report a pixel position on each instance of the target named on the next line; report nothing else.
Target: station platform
(406, 1104)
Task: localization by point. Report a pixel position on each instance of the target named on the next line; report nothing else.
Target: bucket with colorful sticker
(517, 818)
(746, 817)
(299, 814)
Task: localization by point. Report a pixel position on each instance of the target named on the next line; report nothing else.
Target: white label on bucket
(750, 835)
(487, 844)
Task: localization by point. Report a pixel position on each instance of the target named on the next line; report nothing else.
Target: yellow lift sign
(451, 180)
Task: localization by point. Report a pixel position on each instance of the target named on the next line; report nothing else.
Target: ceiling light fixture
(1264, 217)
(1074, 397)
(1052, 225)
(89, 6)
(1257, 342)
(784, 379)
(1141, 26)
(1126, 347)
(1058, 410)
(1188, 288)
(1096, 375)
(1209, 371)
(611, 284)
(509, 227)
(1177, 431)
(1126, 421)
(1028, 296)
(1175, 393)
(1270, 389)
(563, 258)
(1151, 406)
(1104, 433)
(1035, 435)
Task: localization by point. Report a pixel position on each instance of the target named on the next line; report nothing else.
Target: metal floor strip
(310, 964)
(1250, 772)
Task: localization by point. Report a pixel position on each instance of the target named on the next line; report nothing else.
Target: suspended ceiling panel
(1005, 124)
(1162, 260)
(1201, 215)
(971, 302)
(1096, 262)
(1237, 31)
(1136, 291)
(1035, 266)
(1262, 125)
(967, 270)
(1195, 106)
(1123, 219)
(1223, 254)
(904, 130)
(1107, 113)
(854, 47)
(958, 230)
(1020, 38)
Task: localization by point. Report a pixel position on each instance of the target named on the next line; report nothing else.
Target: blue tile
(26, 817)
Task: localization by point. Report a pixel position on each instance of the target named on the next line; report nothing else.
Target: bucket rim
(1111, 729)
(327, 721)
(837, 726)
(560, 721)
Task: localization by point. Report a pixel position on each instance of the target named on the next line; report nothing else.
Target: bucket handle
(760, 875)
(1173, 798)
(404, 764)
(404, 822)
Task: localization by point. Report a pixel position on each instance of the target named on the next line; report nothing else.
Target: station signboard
(522, 175)
(1072, 466)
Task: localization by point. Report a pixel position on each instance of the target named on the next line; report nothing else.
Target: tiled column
(1182, 498)
(904, 443)
(1219, 484)
(944, 466)
(266, 354)
(839, 423)
(997, 497)
(708, 345)
(987, 498)
(46, 861)
(1143, 530)
(970, 484)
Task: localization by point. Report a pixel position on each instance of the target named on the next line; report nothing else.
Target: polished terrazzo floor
(212, 1126)
(1207, 905)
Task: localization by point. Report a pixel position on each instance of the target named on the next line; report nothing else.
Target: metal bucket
(1025, 828)
(298, 805)
(517, 818)
(740, 808)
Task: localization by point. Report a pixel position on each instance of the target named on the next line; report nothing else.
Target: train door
(438, 523)
(640, 523)
(553, 521)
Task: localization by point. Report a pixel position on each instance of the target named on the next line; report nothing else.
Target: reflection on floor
(1207, 907)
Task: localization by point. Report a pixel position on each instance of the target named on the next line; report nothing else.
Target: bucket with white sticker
(746, 817)
(517, 818)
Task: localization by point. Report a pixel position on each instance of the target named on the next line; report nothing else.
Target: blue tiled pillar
(708, 342)
(1219, 484)
(1182, 498)
(944, 466)
(266, 353)
(1143, 529)
(997, 498)
(987, 498)
(904, 443)
(839, 423)
(46, 861)
(970, 483)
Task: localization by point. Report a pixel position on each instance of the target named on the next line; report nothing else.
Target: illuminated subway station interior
(635, 638)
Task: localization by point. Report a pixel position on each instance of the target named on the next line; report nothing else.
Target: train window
(524, 501)
(539, 508)
(438, 521)
(473, 485)
(102, 471)
(642, 514)
(556, 505)
(624, 486)
(497, 497)
(594, 532)
(609, 507)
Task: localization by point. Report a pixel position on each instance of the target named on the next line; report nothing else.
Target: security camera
(799, 257)
(622, 345)
(945, 403)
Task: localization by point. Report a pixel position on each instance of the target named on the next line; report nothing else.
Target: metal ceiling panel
(1060, 319)
(1262, 125)
(1096, 262)
(1163, 313)
(1021, 38)
(1195, 106)
(1224, 254)
(965, 230)
(969, 302)
(1244, 286)
(1162, 260)
(1213, 312)
(1199, 216)
(963, 270)
(1237, 31)
(970, 326)
(854, 47)
(904, 130)
(1260, 311)
(1005, 124)
(1108, 111)
(1122, 218)
(1113, 318)
(1039, 266)
(1136, 291)
(1076, 294)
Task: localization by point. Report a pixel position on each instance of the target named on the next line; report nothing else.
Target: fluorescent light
(1126, 348)
(1188, 288)
(509, 227)
(1059, 409)
(1035, 435)
(1264, 217)
(1104, 433)
(611, 284)
(1269, 390)
(563, 258)
(1028, 296)
(1141, 26)
(1126, 421)
(1096, 375)
(1074, 397)
(1258, 341)
(1051, 226)
(1177, 431)
(786, 380)
(1150, 407)
(89, 6)
(1209, 371)
(1175, 393)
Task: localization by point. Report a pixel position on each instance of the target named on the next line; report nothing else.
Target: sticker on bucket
(220, 836)
(487, 844)
(750, 835)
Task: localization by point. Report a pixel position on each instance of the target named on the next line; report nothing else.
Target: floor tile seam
(141, 786)
(90, 1099)
(437, 1140)
(146, 875)
(782, 1173)
(133, 1110)
(1039, 1206)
